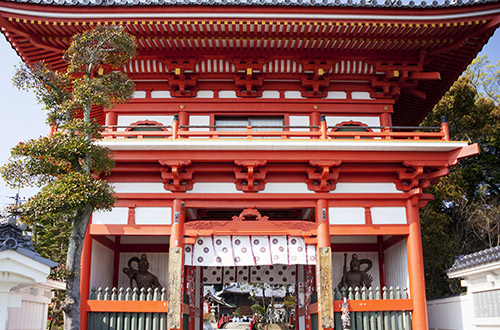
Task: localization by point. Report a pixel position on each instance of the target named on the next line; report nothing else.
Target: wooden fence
(375, 309)
(118, 309)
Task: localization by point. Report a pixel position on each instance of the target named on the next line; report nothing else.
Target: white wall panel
(367, 120)
(346, 215)
(360, 96)
(160, 94)
(158, 265)
(199, 121)
(396, 265)
(227, 94)
(153, 215)
(299, 121)
(139, 187)
(293, 95)
(338, 265)
(270, 94)
(139, 95)
(117, 216)
(388, 215)
(365, 187)
(214, 188)
(101, 267)
(286, 187)
(205, 94)
(336, 95)
(127, 120)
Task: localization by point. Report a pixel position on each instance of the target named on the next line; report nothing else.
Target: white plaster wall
(124, 120)
(346, 215)
(139, 95)
(205, 94)
(365, 187)
(32, 315)
(158, 265)
(160, 94)
(360, 96)
(299, 121)
(286, 188)
(270, 94)
(388, 215)
(199, 121)
(139, 187)
(214, 187)
(368, 120)
(338, 265)
(396, 265)
(153, 215)
(117, 216)
(101, 266)
(227, 94)
(293, 95)
(450, 313)
(336, 95)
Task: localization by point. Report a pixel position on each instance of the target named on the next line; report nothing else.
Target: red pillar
(85, 277)
(323, 242)
(381, 260)
(111, 118)
(416, 266)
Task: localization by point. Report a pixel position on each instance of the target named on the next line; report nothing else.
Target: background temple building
(266, 140)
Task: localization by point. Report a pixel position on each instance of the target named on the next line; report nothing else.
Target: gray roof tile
(307, 3)
(476, 259)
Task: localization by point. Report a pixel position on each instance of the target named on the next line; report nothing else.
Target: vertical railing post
(175, 127)
(323, 127)
(445, 129)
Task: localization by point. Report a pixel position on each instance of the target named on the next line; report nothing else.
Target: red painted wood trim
(138, 230)
(144, 248)
(366, 230)
(391, 241)
(127, 306)
(375, 305)
(348, 247)
(105, 241)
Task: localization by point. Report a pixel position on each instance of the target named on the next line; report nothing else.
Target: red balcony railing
(322, 132)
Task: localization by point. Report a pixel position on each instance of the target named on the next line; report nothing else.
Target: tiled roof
(323, 3)
(476, 259)
(12, 238)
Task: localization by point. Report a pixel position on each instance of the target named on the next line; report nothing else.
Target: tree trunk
(71, 305)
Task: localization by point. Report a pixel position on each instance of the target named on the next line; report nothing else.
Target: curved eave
(449, 37)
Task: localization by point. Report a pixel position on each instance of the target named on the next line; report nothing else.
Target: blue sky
(23, 118)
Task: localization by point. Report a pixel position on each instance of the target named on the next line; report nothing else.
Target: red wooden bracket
(176, 176)
(322, 175)
(250, 178)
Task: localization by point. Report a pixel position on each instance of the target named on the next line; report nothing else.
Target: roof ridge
(305, 3)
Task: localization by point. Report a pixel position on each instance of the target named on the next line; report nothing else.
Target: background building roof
(476, 259)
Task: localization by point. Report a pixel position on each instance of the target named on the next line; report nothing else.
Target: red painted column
(385, 119)
(416, 266)
(116, 261)
(381, 260)
(85, 277)
(177, 232)
(323, 242)
(111, 118)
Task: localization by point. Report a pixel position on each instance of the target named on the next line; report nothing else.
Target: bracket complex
(322, 175)
(415, 175)
(176, 176)
(249, 177)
